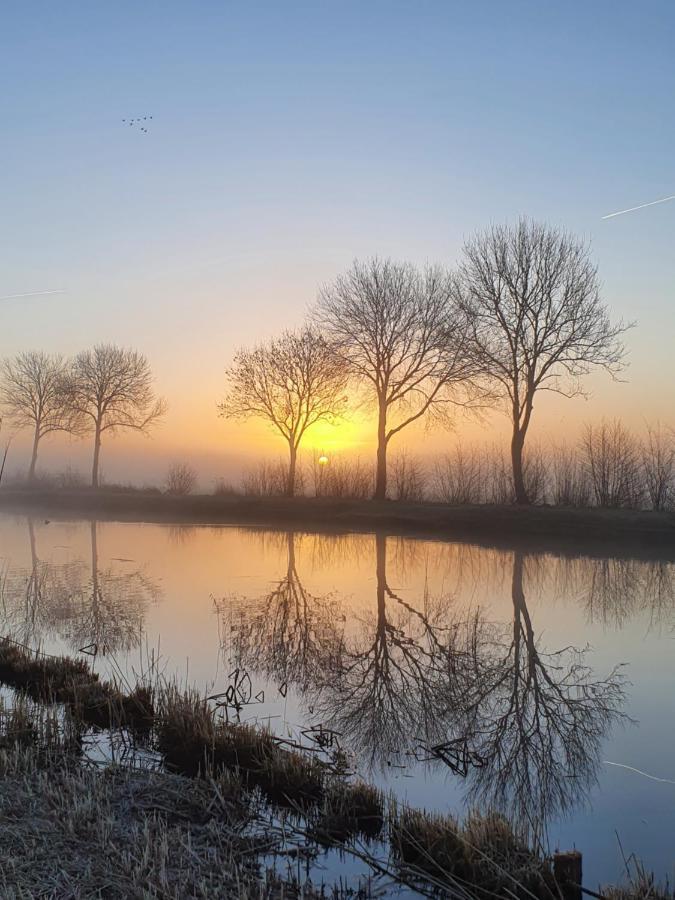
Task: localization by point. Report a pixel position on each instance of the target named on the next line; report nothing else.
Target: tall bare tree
(531, 294)
(401, 335)
(32, 392)
(292, 382)
(110, 388)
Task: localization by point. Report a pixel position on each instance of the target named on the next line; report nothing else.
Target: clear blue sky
(289, 138)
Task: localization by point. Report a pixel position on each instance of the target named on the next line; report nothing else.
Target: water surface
(451, 674)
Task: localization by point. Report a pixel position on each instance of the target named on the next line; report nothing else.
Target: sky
(288, 139)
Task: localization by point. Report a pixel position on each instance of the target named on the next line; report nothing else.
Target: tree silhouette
(110, 388)
(108, 611)
(81, 604)
(394, 677)
(400, 334)
(293, 382)
(33, 396)
(534, 719)
(530, 294)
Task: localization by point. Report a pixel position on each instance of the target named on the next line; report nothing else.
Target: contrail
(639, 772)
(30, 294)
(641, 206)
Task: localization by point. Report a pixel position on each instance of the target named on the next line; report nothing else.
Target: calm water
(451, 674)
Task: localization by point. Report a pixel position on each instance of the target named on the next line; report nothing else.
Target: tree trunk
(381, 582)
(97, 453)
(381, 471)
(33, 459)
(517, 442)
(292, 465)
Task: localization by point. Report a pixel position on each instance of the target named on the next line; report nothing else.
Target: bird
(137, 121)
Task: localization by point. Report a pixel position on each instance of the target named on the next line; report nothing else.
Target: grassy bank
(77, 831)
(577, 530)
(62, 679)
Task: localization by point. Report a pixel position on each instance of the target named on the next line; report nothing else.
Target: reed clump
(291, 779)
(193, 742)
(40, 676)
(350, 809)
(61, 679)
(640, 885)
(484, 851)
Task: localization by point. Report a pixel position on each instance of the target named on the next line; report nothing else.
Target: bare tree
(393, 678)
(612, 458)
(32, 393)
(107, 610)
(180, 479)
(658, 465)
(399, 332)
(292, 382)
(531, 295)
(110, 388)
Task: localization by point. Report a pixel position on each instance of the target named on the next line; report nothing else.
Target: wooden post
(567, 873)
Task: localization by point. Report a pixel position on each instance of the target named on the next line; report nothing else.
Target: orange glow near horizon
(192, 432)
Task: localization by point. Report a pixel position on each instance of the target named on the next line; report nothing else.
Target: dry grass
(69, 831)
(350, 810)
(76, 833)
(51, 679)
(193, 742)
(641, 885)
(484, 853)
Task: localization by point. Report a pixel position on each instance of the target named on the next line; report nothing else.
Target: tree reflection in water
(109, 610)
(535, 719)
(394, 676)
(527, 723)
(80, 604)
(288, 635)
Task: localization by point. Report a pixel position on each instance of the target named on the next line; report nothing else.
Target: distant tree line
(520, 314)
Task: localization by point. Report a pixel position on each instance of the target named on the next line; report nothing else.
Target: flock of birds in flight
(138, 122)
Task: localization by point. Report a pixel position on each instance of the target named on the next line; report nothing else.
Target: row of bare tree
(520, 314)
(105, 389)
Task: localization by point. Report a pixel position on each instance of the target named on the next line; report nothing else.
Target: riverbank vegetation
(609, 467)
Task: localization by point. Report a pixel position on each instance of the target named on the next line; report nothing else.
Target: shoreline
(562, 530)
